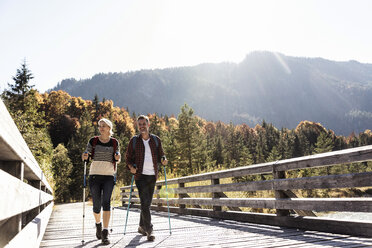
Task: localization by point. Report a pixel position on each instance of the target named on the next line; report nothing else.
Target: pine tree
(274, 155)
(218, 152)
(76, 147)
(186, 137)
(61, 169)
(23, 106)
(18, 91)
(324, 143)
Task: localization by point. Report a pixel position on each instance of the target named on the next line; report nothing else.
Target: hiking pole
(130, 197)
(85, 184)
(113, 208)
(166, 191)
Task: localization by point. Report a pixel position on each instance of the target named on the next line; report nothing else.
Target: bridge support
(13, 225)
(180, 196)
(216, 194)
(280, 194)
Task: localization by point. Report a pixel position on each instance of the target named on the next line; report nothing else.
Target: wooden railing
(26, 196)
(289, 210)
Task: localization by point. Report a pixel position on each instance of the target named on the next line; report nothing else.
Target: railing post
(216, 195)
(180, 196)
(158, 187)
(122, 198)
(279, 194)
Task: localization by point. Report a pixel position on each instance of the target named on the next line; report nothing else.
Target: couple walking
(143, 154)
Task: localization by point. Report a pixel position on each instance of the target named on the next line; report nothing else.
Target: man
(143, 154)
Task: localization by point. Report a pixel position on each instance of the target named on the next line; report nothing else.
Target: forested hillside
(57, 126)
(267, 86)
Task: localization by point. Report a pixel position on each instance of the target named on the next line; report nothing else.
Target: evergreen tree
(274, 155)
(186, 136)
(324, 143)
(76, 147)
(218, 152)
(23, 106)
(61, 169)
(155, 125)
(18, 91)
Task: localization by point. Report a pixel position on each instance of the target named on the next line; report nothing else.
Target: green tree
(324, 143)
(61, 169)
(76, 146)
(18, 91)
(186, 136)
(218, 152)
(23, 106)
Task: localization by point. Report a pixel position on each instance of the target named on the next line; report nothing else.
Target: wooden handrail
(285, 201)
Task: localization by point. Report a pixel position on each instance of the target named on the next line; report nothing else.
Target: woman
(105, 152)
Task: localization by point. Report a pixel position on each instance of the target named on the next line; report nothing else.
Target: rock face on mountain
(280, 89)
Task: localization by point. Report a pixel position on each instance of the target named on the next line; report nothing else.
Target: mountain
(280, 89)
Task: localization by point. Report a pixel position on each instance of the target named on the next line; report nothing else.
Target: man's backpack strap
(156, 140)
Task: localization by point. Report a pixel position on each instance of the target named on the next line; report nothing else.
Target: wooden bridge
(208, 209)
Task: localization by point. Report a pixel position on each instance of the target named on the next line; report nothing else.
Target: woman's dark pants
(101, 189)
(146, 186)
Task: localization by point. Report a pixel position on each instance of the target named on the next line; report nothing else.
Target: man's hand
(133, 170)
(164, 160)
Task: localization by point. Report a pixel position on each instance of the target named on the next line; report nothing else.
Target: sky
(63, 39)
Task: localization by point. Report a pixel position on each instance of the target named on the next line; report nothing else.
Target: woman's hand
(117, 157)
(85, 156)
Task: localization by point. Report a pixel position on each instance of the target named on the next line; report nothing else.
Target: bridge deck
(65, 226)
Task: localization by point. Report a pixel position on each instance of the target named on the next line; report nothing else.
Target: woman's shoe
(99, 230)
(105, 239)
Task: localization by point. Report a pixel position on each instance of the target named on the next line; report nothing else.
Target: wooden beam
(357, 228)
(313, 204)
(22, 197)
(319, 182)
(33, 232)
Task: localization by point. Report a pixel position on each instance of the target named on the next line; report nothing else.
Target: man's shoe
(141, 231)
(99, 230)
(105, 240)
(150, 237)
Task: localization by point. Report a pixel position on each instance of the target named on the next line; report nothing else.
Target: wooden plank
(319, 182)
(313, 204)
(22, 197)
(300, 212)
(351, 155)
(33, 232)
(357, 228)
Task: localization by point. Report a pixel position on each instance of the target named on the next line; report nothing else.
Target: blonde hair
(108, 122)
